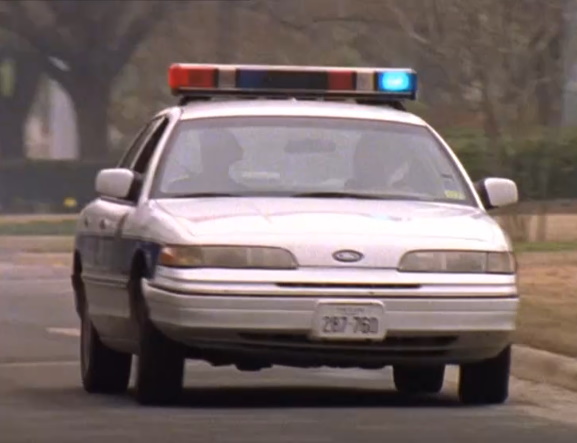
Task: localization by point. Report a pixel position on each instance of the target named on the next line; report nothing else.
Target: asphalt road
(41, 399)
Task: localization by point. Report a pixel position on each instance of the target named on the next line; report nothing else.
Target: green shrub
(544, 166)
(47, 186)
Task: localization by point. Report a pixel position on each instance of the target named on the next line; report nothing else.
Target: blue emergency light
(204, 79)
(396, 81)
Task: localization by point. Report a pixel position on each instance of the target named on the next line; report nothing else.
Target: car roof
(296, 108)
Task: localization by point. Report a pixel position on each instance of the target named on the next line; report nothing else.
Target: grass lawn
(545, 247)
(55, 227)
(548, 285)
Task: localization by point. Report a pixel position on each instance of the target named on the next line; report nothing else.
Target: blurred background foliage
(493, 75)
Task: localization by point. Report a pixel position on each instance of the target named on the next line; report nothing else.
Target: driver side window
(140, 152)
(131, 153)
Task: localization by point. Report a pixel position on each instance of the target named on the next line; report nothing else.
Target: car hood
(314, 229)
(231, 217)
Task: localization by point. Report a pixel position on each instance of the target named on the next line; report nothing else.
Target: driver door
(105, 275)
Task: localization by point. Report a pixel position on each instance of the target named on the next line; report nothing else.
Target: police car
(295, 216)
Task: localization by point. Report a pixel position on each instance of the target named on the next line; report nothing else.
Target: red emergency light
(180, 77)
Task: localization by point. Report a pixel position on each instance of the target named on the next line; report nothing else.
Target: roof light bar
(258, 80)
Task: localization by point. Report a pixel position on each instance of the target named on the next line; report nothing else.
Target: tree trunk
(227, 34)
(549, 65)
(496, 154)
(19, 84)
(91, 97)
(12, 145)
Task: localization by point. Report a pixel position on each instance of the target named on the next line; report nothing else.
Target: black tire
(103, 370)
(419, 379)
(160, 368)
(486, 382)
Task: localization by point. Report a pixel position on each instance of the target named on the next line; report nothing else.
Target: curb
(544, 367)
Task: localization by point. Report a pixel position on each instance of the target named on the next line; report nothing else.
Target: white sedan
(294, 232)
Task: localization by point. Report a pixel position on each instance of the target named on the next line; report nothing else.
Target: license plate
(349, 321)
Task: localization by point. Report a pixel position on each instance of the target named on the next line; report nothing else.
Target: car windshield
(308, 157)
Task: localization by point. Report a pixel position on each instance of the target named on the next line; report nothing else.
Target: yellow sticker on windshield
(454, 195)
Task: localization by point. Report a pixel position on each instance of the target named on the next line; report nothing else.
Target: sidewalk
(544, 367)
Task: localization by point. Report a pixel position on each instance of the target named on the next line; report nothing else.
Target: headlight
(226, 257)
(470, 262)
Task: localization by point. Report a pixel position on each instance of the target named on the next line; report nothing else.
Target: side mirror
(115, 182)
(497, 192)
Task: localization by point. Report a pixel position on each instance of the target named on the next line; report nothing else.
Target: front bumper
(451, 322)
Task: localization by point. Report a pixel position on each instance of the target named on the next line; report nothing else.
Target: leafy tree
(84, 45)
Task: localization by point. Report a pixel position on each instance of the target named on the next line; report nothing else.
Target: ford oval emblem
(348, 256)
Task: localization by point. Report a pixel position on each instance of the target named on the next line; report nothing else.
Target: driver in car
(380, 168)
(219, 150)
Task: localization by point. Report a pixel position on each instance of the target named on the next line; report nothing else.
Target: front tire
(486, 382)
(419, 379)
(103, 370)
(160, 368)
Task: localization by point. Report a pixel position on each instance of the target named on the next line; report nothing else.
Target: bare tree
(84, 45)
(499, 56)
(503, 57)
(227, 32)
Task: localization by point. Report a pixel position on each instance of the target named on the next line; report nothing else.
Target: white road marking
(70, 332)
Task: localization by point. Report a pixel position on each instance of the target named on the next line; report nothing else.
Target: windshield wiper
(205, 194)
(333, 194)
(362, 196)
(315, 194)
